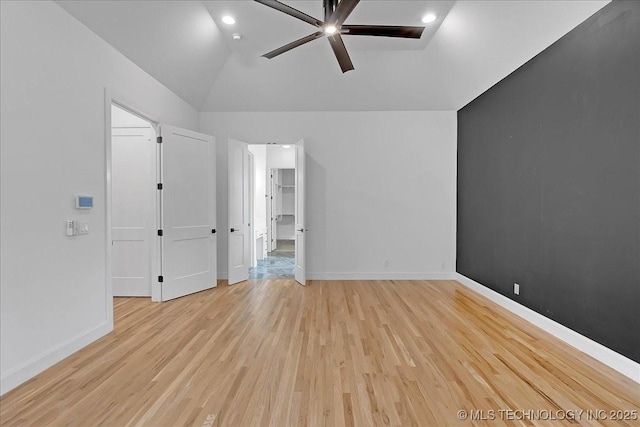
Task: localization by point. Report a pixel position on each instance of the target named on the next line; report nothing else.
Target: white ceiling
(470, 47)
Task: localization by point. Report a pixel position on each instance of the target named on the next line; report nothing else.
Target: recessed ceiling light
(236, 36)
(428, 18)
(330, 29)
(228, 20)
(286, 146)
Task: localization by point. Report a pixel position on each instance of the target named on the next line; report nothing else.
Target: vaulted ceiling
(469, 47)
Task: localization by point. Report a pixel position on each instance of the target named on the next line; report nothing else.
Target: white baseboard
(36, 365)
(427, 275)
(620, 363)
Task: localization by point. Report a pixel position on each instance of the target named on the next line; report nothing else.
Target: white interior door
(238, 231)
(188, 212)
(300, 272)
(133, 171)
(252, 221)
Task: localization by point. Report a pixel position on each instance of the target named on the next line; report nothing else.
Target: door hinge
(160, 279)
(160, 233)
(159, 140)
(159, 186)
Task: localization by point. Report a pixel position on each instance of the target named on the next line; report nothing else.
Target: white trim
(108, 286)
(620, 363)
(36, 365)
(427, 275)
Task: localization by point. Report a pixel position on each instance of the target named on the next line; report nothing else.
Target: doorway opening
(255, 216)
(272, 211)
(160, 207)
(133, 203)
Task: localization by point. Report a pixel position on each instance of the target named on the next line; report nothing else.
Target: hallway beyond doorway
(279, 264)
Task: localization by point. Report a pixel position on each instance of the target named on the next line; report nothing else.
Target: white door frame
(270, 191)
(112, 98)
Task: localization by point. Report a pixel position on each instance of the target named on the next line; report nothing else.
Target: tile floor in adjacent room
(278, 264)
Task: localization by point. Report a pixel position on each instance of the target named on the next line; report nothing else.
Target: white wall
(280, 158)
(381, 185)
(53, 293)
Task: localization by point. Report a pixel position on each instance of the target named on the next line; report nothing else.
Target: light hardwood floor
(360, 353)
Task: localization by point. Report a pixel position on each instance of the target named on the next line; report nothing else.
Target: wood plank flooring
(352, 353)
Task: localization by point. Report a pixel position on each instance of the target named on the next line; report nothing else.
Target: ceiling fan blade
(382, 31)
(294, 44)
(341, 52)
(342, 12)
(274, 4)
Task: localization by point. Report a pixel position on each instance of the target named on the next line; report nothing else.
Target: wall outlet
(516, 289)
(443, 266)
(386, 263)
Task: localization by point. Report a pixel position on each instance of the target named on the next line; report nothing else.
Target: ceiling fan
(335, 13)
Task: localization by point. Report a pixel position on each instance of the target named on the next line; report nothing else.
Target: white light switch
(81, 227)
(75, 228)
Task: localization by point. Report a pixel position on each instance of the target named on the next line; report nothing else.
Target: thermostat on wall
(84, 202)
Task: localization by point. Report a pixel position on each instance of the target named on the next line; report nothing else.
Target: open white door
(187, 212)
(238, 231)
(252, 196)
(300, 272)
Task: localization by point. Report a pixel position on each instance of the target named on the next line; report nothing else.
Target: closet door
(133, 175)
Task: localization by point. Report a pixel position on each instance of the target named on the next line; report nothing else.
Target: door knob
(301, 230)
(233, 229)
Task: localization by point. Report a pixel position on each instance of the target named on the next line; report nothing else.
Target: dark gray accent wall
(549, 181)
